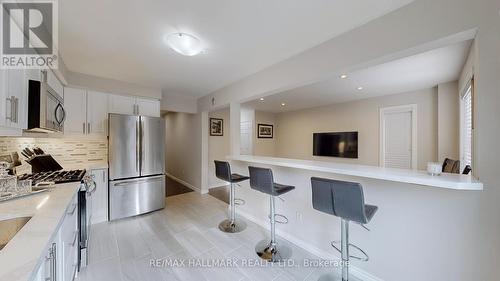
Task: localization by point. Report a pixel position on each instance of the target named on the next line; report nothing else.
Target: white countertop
(22, 254)
(445, 180)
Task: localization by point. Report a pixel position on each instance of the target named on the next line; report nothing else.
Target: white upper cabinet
(75, 102)
(148, 107)
(97, 113)
(87, 112)
(122, 104)
(134, 106)
(3, 96)
(14, 99)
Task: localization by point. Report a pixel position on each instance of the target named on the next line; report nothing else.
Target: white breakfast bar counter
(422, 220)
(445, 180)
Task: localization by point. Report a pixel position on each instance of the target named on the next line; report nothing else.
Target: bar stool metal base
(232, 227)
(276, 253)
(330, 277)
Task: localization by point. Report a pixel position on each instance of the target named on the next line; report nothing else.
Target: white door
(75, 102)
(121, 104)
(148, 107)
(398, 137)
(97, 113)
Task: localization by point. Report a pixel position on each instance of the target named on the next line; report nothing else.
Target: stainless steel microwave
(46, 112)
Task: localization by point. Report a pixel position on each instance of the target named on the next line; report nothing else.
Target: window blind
(467, 127)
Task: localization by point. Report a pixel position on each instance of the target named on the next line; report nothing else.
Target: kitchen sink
(9, 228)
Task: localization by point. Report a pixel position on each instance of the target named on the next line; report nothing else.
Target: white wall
(178, 103)
(295, 128)
(218, 147)
(265, 147)
(448, 121)
(183, 147)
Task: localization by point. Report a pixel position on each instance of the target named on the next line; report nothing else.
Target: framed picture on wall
(216, 127)
(265, 131)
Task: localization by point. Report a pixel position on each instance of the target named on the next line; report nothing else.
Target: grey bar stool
(223, 172)
(346, 201)
(261, 179)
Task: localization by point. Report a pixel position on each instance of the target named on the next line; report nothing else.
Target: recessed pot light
(261, 99)
(283, 104)
(359, 88)
(183, 43)
(343, 76)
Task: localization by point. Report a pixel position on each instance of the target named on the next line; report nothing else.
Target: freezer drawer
(132, 197)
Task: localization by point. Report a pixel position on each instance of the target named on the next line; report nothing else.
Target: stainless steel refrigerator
(136, 153)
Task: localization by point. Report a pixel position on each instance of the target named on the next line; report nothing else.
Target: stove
(55, 176)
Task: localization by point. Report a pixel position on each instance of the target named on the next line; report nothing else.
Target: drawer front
(133, 197)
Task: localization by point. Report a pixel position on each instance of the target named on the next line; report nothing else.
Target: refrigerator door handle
(141, 138)
(137, 145)
(152, 179)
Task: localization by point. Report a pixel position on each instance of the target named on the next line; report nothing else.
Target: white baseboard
(184, 183)
(359, 273)
(218, 185)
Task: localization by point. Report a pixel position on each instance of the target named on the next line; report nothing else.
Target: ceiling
(421, 71)
(122, 39)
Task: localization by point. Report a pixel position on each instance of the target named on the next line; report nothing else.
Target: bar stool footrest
(239, 202)
(282, 218)
(365, 255)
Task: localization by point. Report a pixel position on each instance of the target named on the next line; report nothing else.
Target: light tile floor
(185, 230)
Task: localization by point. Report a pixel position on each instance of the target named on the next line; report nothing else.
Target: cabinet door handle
(88, 128)
(16, 109)
(51, 257)
(11, 108)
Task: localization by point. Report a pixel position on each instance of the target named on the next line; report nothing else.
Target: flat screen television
(343, 144)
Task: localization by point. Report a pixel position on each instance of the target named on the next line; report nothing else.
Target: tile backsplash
(66, 151)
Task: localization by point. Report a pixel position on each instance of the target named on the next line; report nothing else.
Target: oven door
(85, 217)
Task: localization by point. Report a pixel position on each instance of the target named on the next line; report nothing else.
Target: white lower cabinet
(100, 196)
(60, 261)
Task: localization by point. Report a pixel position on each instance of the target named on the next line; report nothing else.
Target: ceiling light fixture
(261, 99)
(359, 88)
(183, 43)
(283, 104)
(343, 76)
